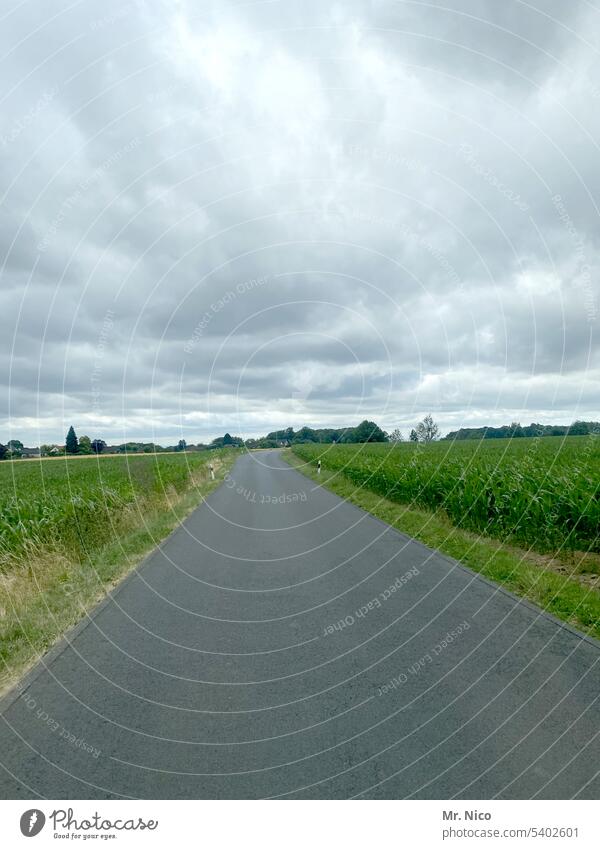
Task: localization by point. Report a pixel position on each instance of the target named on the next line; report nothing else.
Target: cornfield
(544, 492)
(77, 505)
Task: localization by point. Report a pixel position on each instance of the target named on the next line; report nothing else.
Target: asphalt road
(283, 643)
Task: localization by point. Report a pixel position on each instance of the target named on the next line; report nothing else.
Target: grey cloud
(390, 169)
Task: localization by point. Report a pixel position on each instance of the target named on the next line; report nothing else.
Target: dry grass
(44, 590)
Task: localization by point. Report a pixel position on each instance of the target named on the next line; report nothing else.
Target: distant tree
(427, 430)
(182, 445)
(305, 434)
(132, 448)
(98, 446)
(262, 442)
(369, 432)
(533, 430)
(414, 436)
(85, 445)
(72, 443)
(285, 435)
(396, 435)
(515, 430)
(579, 429)
(3, 451)
(227, 441)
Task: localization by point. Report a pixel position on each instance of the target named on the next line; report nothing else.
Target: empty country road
(282, 643)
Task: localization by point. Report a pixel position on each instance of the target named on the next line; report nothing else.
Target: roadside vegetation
(523, 512)
(71, 528)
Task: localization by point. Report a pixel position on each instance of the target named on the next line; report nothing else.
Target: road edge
(531, 606)
(43, 663)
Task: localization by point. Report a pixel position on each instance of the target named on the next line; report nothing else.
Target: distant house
(30, 453)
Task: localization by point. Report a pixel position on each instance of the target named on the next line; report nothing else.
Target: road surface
(283, 643)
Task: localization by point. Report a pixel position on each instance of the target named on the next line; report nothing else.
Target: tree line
(83, 445)
(516, 430)
(367, 431)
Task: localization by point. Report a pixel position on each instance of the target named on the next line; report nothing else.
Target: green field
(543, 493)
(523, 513)
(71, 527)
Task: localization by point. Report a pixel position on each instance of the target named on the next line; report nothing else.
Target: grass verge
(565, 585)
(51, 591)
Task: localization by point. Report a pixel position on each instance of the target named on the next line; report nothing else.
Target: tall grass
(543, 492)
(70, 528)
(75, 506)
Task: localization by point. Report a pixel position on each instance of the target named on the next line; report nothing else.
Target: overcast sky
(243, 215)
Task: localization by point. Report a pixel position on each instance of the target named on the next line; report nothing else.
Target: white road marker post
(318, 467)
(211, 469)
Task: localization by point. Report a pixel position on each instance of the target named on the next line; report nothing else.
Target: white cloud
(392, 170)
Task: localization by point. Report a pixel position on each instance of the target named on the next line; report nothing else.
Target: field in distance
(524, 513)
(542, 492)
(72, 527)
